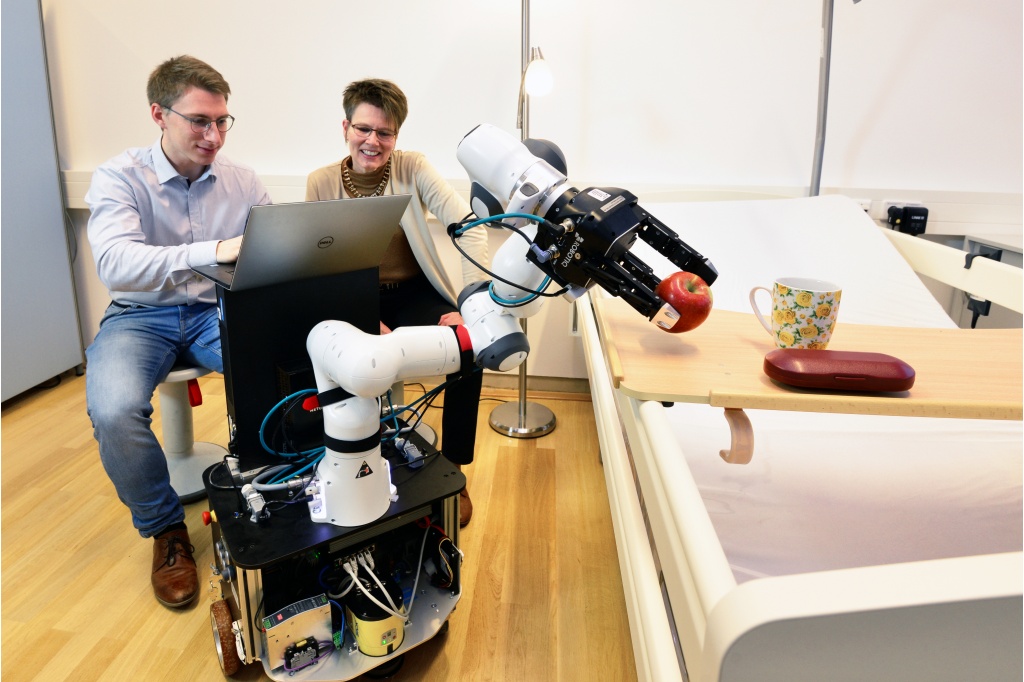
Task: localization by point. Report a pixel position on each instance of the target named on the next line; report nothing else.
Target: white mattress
(837, 491)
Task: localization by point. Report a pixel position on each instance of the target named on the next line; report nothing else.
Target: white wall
(926, 94)
(287, 64)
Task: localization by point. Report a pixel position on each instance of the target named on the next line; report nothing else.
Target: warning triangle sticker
(364, 470)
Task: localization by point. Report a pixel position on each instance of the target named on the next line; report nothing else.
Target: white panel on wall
(681, 93)
(927, 95)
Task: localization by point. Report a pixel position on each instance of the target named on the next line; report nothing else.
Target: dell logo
(325, 242)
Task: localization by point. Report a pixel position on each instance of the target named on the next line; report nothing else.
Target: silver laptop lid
(288, 242)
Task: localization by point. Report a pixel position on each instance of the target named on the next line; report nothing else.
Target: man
(155, 212)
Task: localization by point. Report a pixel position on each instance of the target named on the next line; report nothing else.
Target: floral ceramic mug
(803, 311)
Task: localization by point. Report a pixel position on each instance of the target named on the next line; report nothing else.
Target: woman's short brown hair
(380, 93)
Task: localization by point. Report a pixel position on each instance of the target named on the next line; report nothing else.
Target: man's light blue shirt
(148, 226)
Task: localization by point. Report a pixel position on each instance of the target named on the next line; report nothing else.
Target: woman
(415, 289)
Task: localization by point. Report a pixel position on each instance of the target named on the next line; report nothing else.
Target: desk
(720, 363)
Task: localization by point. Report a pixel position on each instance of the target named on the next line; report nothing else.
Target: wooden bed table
(960, 373)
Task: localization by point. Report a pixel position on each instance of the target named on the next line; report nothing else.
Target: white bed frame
(948, 619)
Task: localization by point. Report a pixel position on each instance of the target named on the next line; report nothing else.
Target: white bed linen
(838, 491)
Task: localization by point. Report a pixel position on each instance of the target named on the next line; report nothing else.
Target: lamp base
(532, 421)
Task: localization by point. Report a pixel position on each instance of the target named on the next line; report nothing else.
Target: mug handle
(757, 313)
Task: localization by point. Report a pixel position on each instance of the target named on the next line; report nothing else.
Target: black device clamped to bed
(839, 370)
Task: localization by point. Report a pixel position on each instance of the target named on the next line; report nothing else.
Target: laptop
(287, 242)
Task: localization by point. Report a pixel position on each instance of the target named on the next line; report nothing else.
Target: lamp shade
(538, 79)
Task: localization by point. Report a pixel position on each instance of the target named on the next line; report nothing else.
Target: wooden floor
(542, 595)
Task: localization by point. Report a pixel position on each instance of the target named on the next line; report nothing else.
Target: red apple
(690, 295)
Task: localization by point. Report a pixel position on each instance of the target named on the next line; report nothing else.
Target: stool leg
(398, 394)
(176, 418)
(186, 459)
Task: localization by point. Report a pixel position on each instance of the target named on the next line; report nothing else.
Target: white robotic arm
(580, 238)
(574, 238)
(353, 369)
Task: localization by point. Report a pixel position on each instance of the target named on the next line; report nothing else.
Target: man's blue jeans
(131, 355)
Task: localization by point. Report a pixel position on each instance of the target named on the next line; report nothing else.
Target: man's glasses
(364, 131)
(201, 125)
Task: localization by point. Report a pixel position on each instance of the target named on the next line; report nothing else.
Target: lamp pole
(823, 74)
(827, 10)
(523, 419)
(524, 64)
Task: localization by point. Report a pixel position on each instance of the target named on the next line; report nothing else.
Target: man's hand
(227, 250)
(384, 329)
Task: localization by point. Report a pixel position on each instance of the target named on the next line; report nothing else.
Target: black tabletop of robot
(289, 530)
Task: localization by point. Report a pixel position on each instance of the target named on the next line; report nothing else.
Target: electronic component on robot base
(376, 632)
(302, 653)
(308, 619)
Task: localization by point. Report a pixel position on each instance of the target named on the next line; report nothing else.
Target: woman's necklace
(350, 187)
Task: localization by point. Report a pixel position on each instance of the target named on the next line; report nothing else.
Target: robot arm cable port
(544, 255)
(255, 502)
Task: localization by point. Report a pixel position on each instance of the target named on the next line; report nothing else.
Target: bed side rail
(985, 278)
(650, 631)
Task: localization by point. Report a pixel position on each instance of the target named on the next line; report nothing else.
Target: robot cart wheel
(224, 637)
(387, 670)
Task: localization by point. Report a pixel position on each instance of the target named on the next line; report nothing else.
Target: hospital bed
(851, 546)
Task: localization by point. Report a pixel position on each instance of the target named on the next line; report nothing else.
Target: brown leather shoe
(465, 508)
(175, 577)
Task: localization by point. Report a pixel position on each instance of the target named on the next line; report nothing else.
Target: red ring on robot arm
(462, 334)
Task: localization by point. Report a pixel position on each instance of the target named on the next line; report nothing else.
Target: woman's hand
(450, 319)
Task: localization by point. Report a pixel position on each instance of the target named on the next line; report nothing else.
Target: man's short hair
(170, 80)
(380, 93)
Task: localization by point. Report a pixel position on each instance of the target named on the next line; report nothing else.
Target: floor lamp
(523, 419)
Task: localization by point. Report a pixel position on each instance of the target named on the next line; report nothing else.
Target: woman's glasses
(365, 131)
